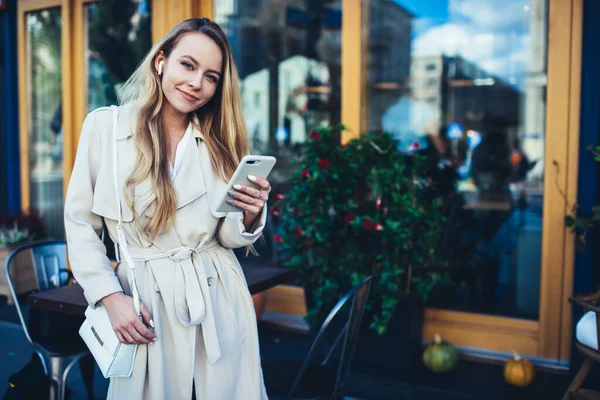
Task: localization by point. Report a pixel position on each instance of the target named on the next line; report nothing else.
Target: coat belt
(193, 304)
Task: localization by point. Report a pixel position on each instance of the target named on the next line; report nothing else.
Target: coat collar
(127, 122)
(195, 177)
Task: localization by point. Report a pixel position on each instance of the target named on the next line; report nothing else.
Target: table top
(70, 299)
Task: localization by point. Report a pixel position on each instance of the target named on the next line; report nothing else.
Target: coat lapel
(143, 193)
(215, 186)
(195, 177)
(189, 182)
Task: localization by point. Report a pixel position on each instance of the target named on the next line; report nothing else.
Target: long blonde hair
(220, 121)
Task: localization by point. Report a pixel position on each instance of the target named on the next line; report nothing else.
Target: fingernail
(232, 193)
(152, 323)
(230, 201)
(153, 339)
(252, 177)
(151, 343)
(238, 187)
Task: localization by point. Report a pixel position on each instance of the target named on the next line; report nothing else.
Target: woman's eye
(187, 65)
(212, 78)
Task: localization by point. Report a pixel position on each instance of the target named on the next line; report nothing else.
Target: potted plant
(16, 230)
(581, 224)
(359, 209)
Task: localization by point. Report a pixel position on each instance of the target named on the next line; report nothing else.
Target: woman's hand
(125, 322)
(249, 199)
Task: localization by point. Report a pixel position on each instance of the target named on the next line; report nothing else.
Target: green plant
(581, 224)
(12, 236)
(355, 210)
(19, 228)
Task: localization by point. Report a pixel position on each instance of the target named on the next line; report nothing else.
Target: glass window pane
(45, 117)
(118, 36)
(3, 131)
(288, 56)
(468, 84)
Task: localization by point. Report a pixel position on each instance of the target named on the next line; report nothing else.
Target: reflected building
(389, 57)
(533, 138)
(465, 93)
(288, 56)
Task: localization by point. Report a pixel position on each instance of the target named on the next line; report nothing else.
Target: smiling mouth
(188, 96)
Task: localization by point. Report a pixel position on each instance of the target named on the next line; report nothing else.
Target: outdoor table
(70, 299)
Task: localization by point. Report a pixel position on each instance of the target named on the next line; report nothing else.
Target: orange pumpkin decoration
(518, 371)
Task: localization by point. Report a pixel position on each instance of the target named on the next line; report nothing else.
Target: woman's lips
(188, 96)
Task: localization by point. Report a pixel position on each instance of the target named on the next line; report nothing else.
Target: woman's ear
(159, 63)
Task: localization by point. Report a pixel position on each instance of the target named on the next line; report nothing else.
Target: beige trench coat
(188, 277)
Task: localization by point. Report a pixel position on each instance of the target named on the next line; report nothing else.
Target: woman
(180, 136)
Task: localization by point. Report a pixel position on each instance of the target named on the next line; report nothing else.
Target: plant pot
(22, 273)
(399, 348)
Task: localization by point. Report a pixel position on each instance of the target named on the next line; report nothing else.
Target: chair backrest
(48, 267)
(348, 336)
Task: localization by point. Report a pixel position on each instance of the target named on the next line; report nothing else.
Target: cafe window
(473, 97)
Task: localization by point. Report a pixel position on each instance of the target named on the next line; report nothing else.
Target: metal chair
(318, 380)
(58, 357)
(591, 355)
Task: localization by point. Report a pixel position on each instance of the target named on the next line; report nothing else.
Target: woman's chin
(184, 107)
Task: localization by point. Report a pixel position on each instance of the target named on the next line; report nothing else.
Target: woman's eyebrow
(197, 63)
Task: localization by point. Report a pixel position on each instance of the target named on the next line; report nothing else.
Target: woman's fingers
(146, 334)
(146, 315)
(244, 198)
(263, 183)
(249, 198)
(127, 339)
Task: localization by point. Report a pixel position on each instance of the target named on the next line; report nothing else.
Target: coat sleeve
(232, 233)
(87, 253)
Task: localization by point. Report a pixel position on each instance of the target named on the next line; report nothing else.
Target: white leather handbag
(114, 358)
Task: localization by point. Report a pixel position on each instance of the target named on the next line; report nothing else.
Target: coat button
(210, 281)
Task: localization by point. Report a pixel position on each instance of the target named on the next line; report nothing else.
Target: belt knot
(182, 253)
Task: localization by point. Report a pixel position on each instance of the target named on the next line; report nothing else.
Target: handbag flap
(102, 329)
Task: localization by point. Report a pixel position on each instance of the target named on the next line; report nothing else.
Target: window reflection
(45, 117)
(288, 56)
(289, 63)
(466, 81)
(118, 37)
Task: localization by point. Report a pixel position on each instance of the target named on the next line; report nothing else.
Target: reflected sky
(495, 34)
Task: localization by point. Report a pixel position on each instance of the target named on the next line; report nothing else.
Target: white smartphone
(259, 166)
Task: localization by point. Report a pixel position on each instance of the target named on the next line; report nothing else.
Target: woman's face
(191, 73)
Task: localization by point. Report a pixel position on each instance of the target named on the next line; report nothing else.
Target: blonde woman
(180, 135)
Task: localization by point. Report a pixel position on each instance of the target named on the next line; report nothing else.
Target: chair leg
(59, 368)
(579, 378)
(86, 366)
(70, 365)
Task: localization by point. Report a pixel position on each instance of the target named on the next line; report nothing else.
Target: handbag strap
(121, 245)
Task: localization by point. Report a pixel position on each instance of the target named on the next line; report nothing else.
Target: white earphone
(160, 67)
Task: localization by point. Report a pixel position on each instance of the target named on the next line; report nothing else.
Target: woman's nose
(196, 82)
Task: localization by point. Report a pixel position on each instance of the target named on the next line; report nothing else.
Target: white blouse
(181, 148)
